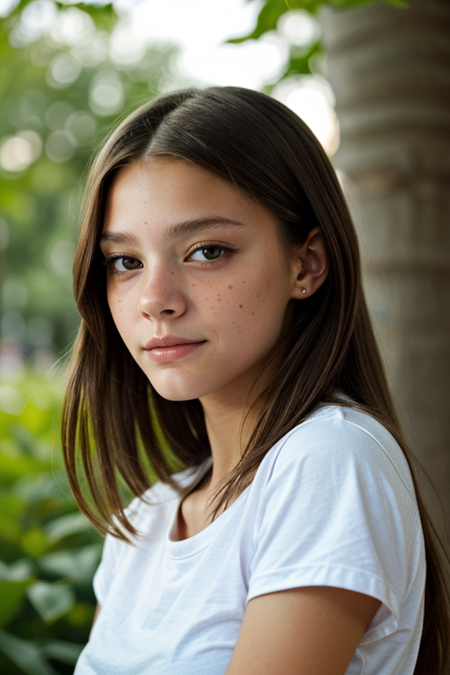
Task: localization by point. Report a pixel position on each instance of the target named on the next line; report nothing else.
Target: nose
(161, 296)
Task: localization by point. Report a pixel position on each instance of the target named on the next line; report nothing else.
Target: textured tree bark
(390, 71)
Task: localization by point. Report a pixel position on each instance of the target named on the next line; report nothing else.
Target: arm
(304, 631)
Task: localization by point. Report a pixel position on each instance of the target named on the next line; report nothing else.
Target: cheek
(250, 303)
(120, 308)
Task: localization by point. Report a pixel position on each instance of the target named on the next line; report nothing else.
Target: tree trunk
(390, 71)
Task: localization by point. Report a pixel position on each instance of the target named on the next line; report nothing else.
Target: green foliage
(300, 59)
(272, 10)
(48, 550)
(102, 13)
(59, 97)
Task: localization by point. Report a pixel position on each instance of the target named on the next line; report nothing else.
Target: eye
(208, 253)
(122, 263)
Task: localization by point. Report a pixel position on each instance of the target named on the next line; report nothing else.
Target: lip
(171, 347)
(168, 341)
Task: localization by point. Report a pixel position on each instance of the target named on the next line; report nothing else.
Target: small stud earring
(303, 290)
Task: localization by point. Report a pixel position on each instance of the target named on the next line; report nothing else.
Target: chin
(177, 391)
(176, 396)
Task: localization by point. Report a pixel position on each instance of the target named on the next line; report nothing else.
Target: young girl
(226, 354)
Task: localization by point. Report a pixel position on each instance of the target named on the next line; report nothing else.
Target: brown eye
(125, 264)
(208, 253)
(130, 263)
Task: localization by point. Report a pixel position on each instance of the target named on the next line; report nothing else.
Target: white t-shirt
(332, 504)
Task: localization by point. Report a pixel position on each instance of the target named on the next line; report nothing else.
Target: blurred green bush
(48, 550)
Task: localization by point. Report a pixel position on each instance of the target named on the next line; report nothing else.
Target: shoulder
(336, 445)
(335, 499)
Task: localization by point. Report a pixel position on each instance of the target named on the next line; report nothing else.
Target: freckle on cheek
(240, 306)
(230, 287)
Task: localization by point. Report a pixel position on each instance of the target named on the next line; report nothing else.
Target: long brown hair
(117, 428)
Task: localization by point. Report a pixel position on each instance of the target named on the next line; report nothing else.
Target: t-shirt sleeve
(112, 550)
(105, 571)
(115, 549)
(335, 511)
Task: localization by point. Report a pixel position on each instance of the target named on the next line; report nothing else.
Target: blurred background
(372, 80)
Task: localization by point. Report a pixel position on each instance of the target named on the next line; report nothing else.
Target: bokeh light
(299, 27)
(106, 96)
(61, 258)
(71, 27)
(18, 152)
(36, 19)
(311, 97)
(60, 146)
(63, 70)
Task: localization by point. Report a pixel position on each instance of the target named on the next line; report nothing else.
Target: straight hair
(116, 429)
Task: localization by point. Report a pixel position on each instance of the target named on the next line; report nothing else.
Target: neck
(229, 425)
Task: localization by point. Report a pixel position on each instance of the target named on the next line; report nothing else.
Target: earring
(303, 290)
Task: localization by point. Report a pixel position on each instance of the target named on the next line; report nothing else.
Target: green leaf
(34, 542)
(271, 12)
(75, 565)
(299, 63)
(38, 490)
(21, 570)
(72, 523)
(267, 20)
(14, 581)
(60, 650)
(12, 468)
(25, 654)
(12, 506)
(11, 593)
(51, 601)
(24, 439)
(81, 616)
(10, 530)
(273, 9)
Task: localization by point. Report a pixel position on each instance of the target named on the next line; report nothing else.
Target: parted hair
(117, 429)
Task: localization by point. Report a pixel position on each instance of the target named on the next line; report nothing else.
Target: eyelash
(227, 251)
(109, 264)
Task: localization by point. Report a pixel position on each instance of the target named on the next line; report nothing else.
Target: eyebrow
(174, 231)
(118, 238)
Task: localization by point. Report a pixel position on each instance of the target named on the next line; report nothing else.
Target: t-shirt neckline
(184, 548)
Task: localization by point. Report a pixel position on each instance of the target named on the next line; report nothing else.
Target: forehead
(163, 178)
(164, 192)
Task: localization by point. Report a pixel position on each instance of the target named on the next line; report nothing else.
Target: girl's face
(197, 282)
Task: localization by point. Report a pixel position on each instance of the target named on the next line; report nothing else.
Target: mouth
(171, 348)
(169, 341)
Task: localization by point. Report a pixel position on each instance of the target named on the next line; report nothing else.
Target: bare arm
(304, 631)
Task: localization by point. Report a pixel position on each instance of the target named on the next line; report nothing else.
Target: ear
(310, 266)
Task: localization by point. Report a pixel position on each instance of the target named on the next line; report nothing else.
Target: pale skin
(190, 256)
